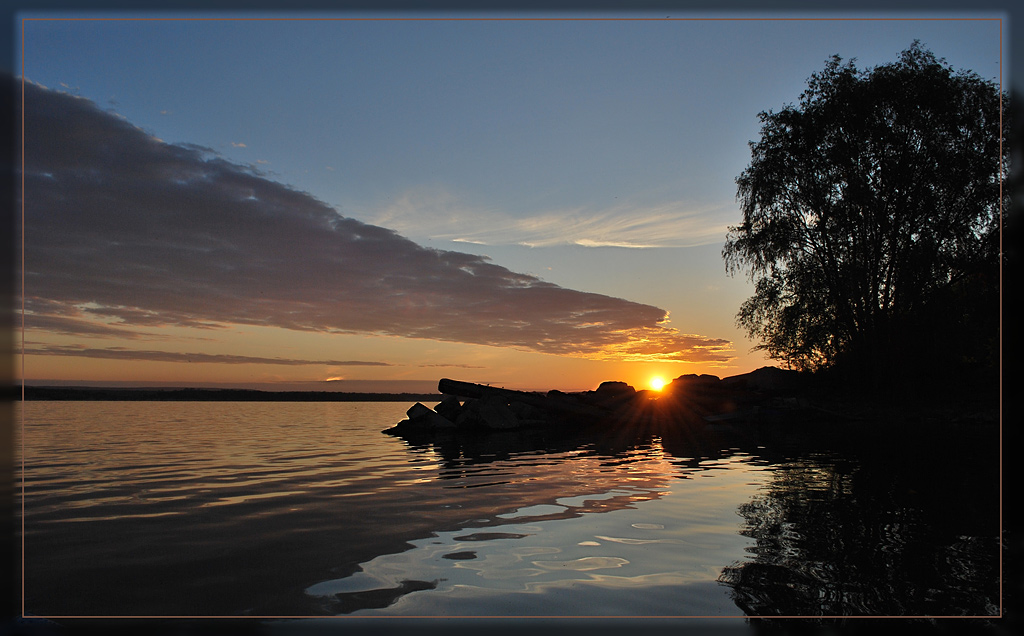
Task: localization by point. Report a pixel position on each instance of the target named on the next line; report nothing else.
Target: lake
(281, 509)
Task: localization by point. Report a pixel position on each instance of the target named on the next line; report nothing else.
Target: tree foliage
(869, 208)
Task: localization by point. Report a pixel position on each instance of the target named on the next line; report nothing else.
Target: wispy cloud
(121, 353)
(437, 214)
(124, 231)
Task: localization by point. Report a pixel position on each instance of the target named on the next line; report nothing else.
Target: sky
(332, 203)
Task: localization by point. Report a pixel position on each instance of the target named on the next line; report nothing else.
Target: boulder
(691, 382)
(524, 411)
(497, 414)
(615, 388)
(693, 378)
(612, 395)
(421, 416)
(449, 408)
(773, 379)
(469, 416)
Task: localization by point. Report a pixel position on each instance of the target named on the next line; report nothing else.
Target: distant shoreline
(101, 394)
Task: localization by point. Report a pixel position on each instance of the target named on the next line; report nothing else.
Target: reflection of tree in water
(913, 532)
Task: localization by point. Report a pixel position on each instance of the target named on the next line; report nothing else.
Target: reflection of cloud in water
(534, 511)
(583, 564)
(628, 541)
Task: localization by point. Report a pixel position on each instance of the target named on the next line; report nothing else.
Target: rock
(449, 408)
(497, 414)
(469, 416)
(417, 411)
(612, 395)
(766, 379)
(421, 416)
(537, 423)
(693, 378)
(526, 411)
(692, 383)
(616, 388)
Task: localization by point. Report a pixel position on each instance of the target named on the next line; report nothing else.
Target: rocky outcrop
(689, 400)
(766, 379)
(476, 407)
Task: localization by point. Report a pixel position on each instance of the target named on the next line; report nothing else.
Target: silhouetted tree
(871, 216)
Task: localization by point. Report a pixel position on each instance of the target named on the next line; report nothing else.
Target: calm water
(307, 509)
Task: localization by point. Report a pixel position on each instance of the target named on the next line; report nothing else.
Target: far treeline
(214, 395)
(872, 216)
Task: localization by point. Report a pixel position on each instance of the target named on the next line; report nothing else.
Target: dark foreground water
(307, 509)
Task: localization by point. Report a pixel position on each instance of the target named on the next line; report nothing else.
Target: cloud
(121, 353)
(437, 214)
(124, 231)
(68, 325)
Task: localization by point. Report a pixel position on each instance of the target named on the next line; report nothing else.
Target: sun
(657, 383)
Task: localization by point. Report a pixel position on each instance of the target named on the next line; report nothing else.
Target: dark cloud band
(124, 231)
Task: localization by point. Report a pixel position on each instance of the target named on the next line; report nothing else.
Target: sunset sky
(384, 202)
